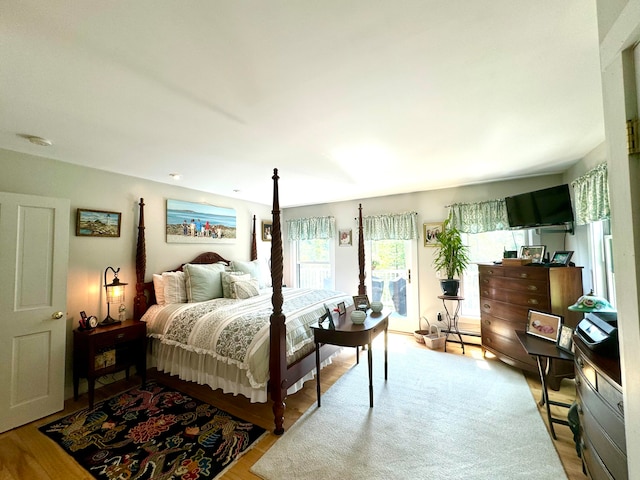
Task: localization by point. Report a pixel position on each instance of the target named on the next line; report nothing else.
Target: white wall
(88, 256)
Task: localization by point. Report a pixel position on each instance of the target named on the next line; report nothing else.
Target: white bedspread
(225, 342)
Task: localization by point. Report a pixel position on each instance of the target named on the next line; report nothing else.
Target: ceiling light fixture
(42, 142)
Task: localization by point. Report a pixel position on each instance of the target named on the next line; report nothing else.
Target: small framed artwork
(345, 238)
(341, 308)
(266, 231)
(431, 232)
(98, 223)
(562, 258)
(565, 340)
(535, 253)
(359, 300)
(544, 325)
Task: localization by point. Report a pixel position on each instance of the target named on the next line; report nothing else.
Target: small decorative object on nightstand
(108, 349)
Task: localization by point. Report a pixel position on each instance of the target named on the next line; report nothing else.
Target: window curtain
(401, 226)
(479, 217)
(311, 228)
(591, 192)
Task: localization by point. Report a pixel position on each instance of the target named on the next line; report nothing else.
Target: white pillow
(174, 287)
(228, 277)
(158, 288)
(242, 289)
(203, 282)
(252, 268)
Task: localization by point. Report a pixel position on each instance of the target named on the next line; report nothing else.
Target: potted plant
(451, 258)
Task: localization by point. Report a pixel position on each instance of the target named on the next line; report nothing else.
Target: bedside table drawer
(115, 337)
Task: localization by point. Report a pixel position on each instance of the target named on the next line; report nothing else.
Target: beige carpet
(439, 416)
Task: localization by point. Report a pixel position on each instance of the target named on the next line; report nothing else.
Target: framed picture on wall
(266, 231)
(97, 223)
(430, 232)
(345, 238)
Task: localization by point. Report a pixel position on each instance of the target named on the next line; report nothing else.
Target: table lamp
(115, 294)
(591, 303)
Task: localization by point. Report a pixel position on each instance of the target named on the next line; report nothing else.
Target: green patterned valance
(401, 226)
(591, 192)
(311, 228)
(479, 217)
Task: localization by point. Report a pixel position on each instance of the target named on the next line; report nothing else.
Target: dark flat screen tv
(550, 206)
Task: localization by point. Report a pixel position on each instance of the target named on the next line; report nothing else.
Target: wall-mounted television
(550, 206)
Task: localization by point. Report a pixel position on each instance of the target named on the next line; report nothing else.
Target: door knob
(57, 315)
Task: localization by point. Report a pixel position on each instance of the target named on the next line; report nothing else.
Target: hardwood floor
(26, 454)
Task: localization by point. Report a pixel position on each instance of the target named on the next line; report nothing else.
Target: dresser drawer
(112, 338)
(491, 271)
(607, 418)
(593, 463)
(614, 458)
(539, 287)
(514, 313)
(509, 347)
(531, 273)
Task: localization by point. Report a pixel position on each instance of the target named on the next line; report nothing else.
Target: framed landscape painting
(189, 222)
(97, 223)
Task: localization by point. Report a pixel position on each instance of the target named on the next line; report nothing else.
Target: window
(484, 248)
(602, 260)
(313, 267)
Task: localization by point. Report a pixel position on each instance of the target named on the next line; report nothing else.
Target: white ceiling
(348, 98)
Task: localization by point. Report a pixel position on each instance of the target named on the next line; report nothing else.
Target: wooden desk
(348, 334)
(545, 349)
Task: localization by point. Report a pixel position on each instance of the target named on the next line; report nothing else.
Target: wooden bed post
(254, 247)
(362, 288)
(277, 352)
(140, 300)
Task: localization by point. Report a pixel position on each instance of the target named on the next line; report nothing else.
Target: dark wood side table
(452, 318)
(544, 349)
(348, 334)
(108, 349)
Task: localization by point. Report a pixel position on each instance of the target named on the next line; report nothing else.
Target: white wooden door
(34, 251)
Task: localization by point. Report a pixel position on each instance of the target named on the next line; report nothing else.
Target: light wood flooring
(26, 454)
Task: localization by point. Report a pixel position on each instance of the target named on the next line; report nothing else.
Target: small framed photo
(345, 238)
(266, 231)
(565, 340)
(544, 325)
(535, 253)
(341, 308)
(431, 232)
(98, 223)
(360, 300)
(562, 258)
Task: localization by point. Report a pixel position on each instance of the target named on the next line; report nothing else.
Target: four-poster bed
(254, 345)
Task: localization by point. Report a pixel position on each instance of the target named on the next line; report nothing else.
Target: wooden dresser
(506, 295)
(601, 411)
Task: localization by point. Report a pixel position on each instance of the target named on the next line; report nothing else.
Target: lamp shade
(114, 293)
(592, 303)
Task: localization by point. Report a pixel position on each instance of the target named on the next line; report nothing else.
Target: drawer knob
(580, 362)
(524, 275)
(487, 306)
(532, 301)
(490, 272)
(120, 335)
(532, 288)
(621, 407)
(578, 382)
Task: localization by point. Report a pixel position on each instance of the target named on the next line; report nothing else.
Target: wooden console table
(348, 334)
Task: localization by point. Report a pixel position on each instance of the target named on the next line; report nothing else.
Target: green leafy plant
(452, 256)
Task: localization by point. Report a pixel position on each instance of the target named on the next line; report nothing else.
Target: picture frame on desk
(565, 339)
(544, 325)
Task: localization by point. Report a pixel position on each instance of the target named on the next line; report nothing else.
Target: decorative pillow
(243, 289)
(158, 288)
(174, 287)
(252, 268)
(228, 277)
(203, 281)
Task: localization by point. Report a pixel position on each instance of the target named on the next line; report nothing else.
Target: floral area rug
(153, 433)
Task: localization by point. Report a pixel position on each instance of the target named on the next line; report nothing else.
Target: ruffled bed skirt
(205, 370)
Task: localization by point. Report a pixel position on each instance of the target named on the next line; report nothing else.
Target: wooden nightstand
(108, 349)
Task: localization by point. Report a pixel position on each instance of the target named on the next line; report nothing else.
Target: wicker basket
(435, 339)
(419, 334)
